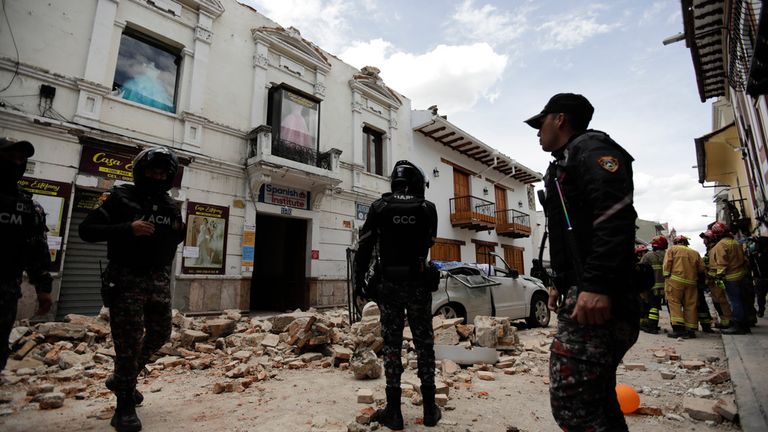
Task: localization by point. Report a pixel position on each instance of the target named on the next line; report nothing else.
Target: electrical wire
(16, 71)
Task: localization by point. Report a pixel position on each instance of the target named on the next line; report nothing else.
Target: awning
(715, 152)
(451, 136)
(703, 23)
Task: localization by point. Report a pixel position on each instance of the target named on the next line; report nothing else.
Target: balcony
(290, 165)
(513, 223)
(473, 213)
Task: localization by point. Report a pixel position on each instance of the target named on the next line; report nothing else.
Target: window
(294, 119)
(446, 250)
(372, 152)
(147, 72)
(483, 251)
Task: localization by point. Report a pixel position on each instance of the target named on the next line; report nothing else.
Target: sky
(489, 65)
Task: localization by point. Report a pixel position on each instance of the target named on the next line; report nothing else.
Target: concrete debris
(727, 409)
(365, 396)
(51, 400)
(692, 364)
(701, 409)
(718, 377)
(495, 332)
(649, 411)
(365, 364)
(667, 375)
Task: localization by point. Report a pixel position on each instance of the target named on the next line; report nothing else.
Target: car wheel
(539, 316)
(450, 310)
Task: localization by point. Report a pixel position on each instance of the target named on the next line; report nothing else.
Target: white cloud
(677, 199)
(571, 30)
(486, 23)
(323, 22)
(453, 77)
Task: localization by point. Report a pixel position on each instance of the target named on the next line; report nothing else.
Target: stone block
(692, 364)
(486, 376)
(701, 409)
(441, 400)
(727, 409)
(718, 377)
(219, 327)
(51, 400)
(634, 366)
(365, 396)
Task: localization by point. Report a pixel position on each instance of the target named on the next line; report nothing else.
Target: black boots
(647, 327)
(138, 398)
(125, 418)
(431, 411)
(707, 328)
(736, 328)
(391, 416)
(678, 331)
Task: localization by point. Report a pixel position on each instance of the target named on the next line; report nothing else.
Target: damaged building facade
(283, 146)
(728, 41)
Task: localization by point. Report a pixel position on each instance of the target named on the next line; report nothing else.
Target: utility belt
(421, 272)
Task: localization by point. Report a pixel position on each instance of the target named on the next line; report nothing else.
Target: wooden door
(461, 189)
(501, 204)
(482, 254)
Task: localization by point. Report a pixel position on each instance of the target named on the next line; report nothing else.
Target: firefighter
(682, 267)
(655, 295)
(640, 251)
(728, 267)
(716, 291)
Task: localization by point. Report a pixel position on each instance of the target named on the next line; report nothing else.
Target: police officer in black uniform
(142, 226)
(24, 245)
(403, 225)
(591, 222)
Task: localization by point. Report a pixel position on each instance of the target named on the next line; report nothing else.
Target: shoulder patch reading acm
(609, 163)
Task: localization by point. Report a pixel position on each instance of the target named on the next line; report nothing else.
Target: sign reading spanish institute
(113, 165)
(205, 246)
(284, 196)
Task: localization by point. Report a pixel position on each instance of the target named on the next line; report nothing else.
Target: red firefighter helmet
(706, 235)
(659, 242)
(641, 248)
(718, 229)
(681, 239)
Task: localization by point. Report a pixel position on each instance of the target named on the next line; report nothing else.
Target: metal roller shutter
(81, 279)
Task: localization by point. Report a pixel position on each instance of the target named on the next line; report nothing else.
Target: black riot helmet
(155, 157)
(407, 177)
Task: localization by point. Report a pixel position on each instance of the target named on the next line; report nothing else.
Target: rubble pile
(703, 385)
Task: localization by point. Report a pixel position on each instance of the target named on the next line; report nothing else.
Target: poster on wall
(54, 198)
(249, 248)
(205, 245)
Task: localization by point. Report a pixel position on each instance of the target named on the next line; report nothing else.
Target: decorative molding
(370, 85)
(357, 106)
(393, 123)
(203, 34)
(289, 44)
(260, 60)
(320, 89)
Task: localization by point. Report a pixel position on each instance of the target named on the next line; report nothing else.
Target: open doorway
(279, 280)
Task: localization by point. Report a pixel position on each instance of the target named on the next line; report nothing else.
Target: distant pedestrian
(591, 223)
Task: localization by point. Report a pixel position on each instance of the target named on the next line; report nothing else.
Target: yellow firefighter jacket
(682, 264)
(727, 261)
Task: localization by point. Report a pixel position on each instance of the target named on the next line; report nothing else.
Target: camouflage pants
(582, 366)
(396, 300)
(9, 298)
(140, 318)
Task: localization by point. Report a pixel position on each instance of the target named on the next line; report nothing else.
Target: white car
(466, 291)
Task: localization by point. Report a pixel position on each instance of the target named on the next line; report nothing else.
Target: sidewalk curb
(746, 364)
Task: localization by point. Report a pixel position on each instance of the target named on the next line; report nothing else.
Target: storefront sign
(249, 248)
(205, 246)
(87, 200)
(113, 165)
(54, 198)
(284, 196)
(361, 211)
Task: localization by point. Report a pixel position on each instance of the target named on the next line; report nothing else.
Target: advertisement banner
(113, 165)
(284, 196)
(54, 198)
(205, 246)
(249, 248)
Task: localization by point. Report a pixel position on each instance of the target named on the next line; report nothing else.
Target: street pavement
(748, 366)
